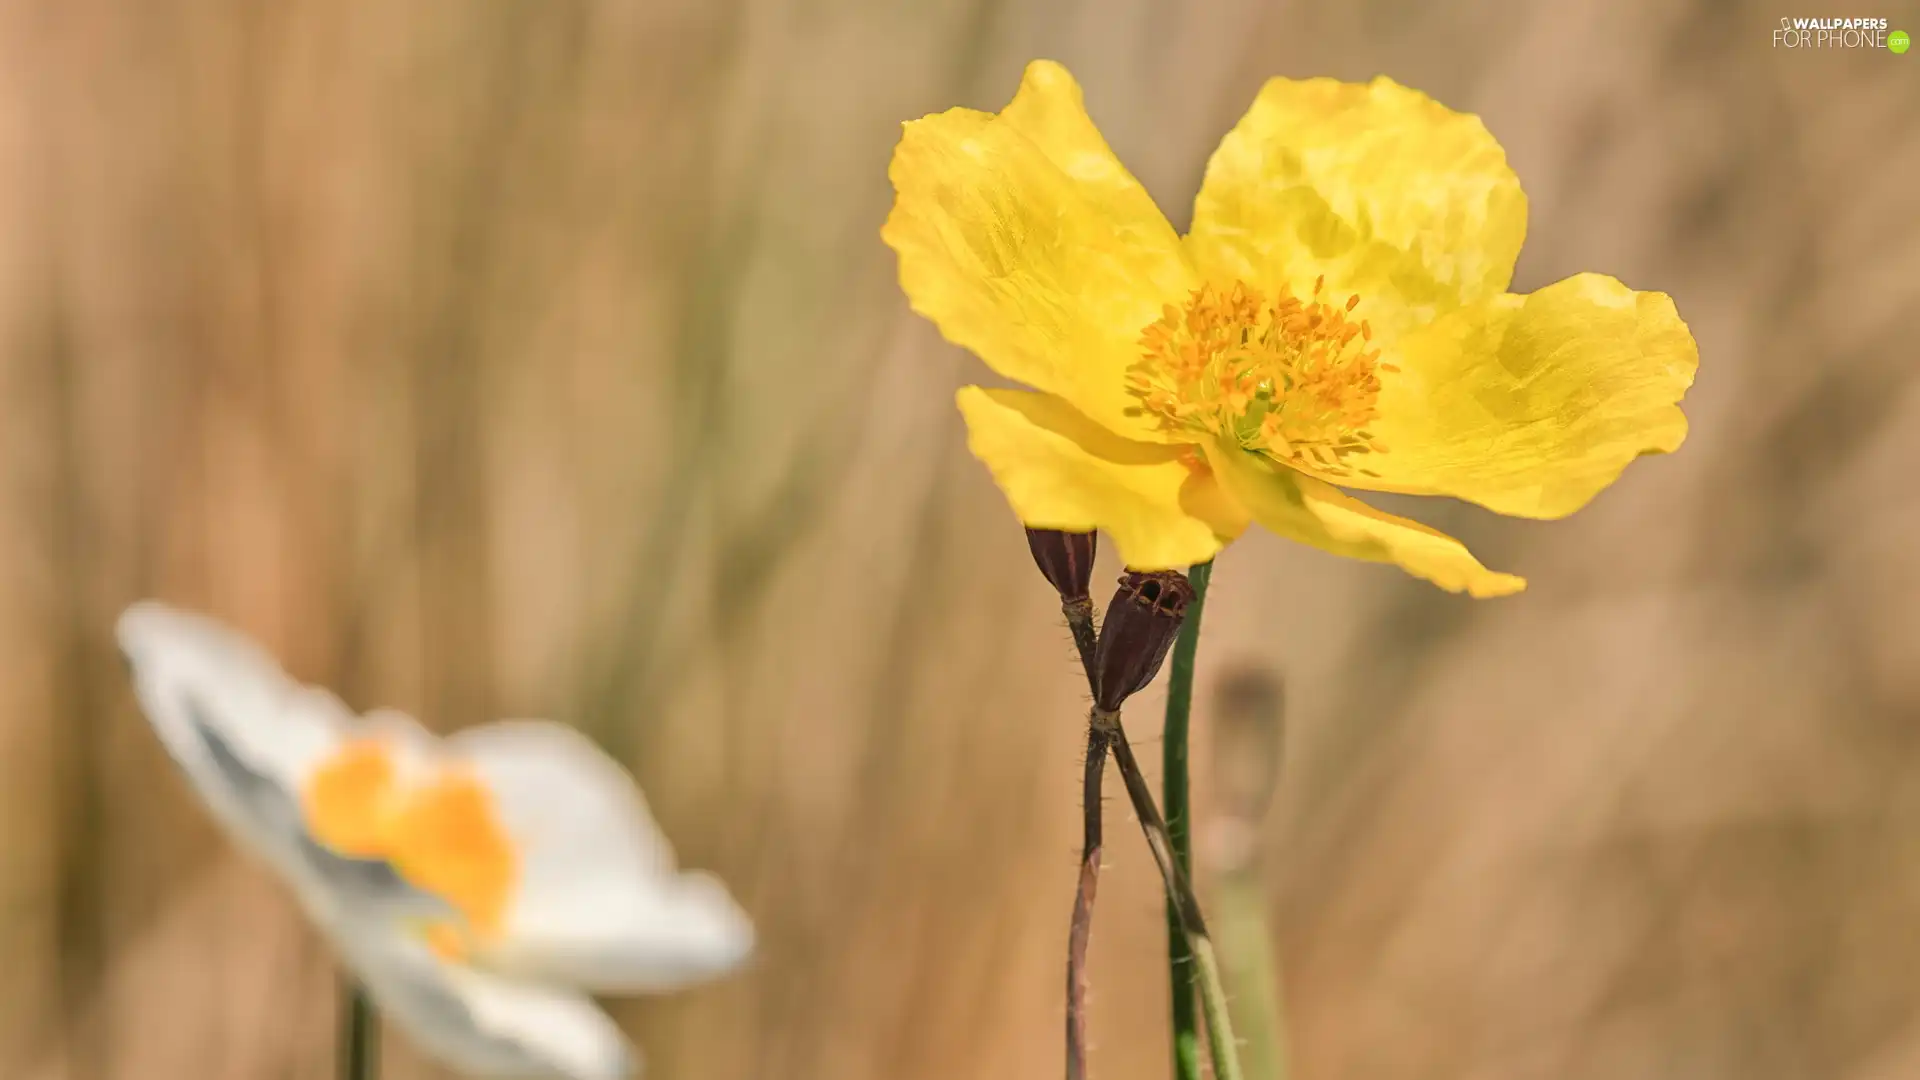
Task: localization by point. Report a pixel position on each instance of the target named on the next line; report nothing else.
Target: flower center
(1289, 378)
(441, 832)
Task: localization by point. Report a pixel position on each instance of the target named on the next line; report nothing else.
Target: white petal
(241, 730)
(247, 736)
(481, 1024)
(599, 903)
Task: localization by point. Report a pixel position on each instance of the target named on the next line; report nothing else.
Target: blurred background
(541, 357)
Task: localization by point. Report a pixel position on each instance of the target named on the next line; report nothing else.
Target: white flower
(481, 886)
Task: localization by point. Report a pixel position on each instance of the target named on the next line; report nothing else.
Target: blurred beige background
(540, 357)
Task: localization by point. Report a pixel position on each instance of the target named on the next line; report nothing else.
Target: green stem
(1180, 959)
(1213, 998)
(1224, 1049)
(1248, 972)
(359, 1053)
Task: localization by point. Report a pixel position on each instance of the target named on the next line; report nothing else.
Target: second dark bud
(1141, 623)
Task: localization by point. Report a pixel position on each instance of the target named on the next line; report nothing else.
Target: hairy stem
(1082, 929)
(1079, 613)
(1080, 620)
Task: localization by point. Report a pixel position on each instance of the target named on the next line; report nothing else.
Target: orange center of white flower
(441, 833)
(1289, 378)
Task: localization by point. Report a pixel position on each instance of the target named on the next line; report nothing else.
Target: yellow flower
(1338, 315)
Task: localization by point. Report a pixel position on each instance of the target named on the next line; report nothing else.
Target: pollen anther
(1289, 378)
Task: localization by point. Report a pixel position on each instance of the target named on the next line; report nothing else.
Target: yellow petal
(1026, 241)
(1060, 470)
(1531, 405)
(1051, 112)
(1386, 192)
(1311, 511)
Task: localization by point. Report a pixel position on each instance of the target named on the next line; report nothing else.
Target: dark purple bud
(1066, 558)
(1140, 626)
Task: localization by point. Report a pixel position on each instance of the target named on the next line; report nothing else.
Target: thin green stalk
(1247, 971)
(359, 1053)
(1173, 748)
(1213, 999)
(1249, 738)
(1180, 895)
